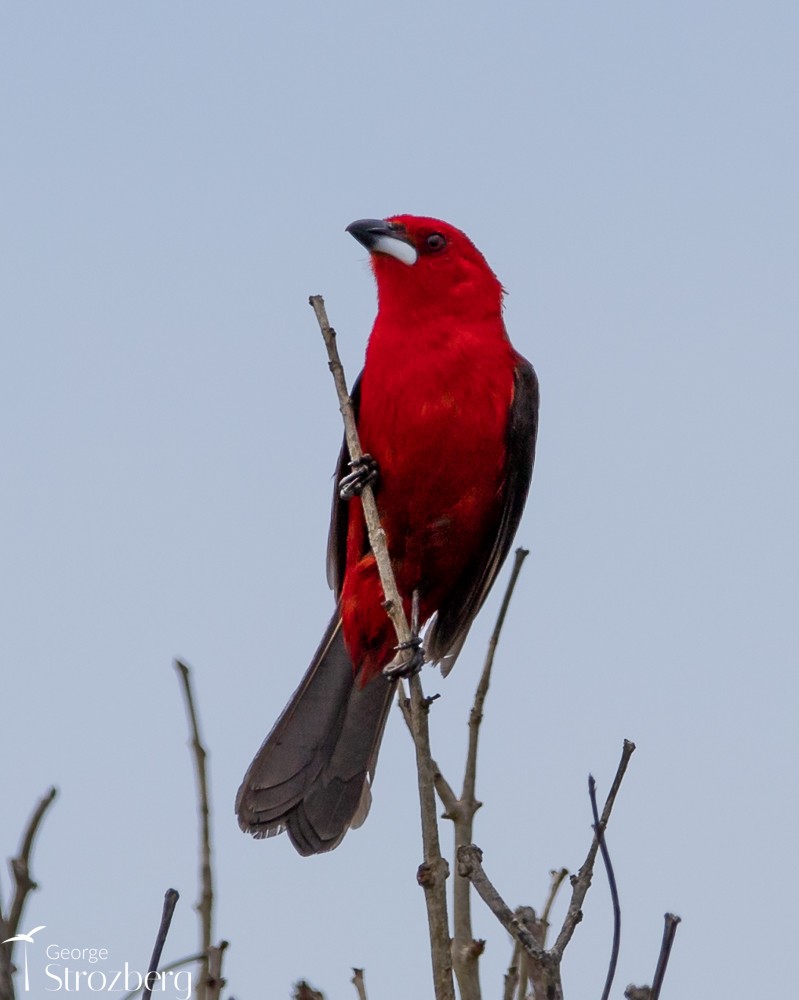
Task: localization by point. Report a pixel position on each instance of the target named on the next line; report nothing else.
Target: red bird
(448, 411)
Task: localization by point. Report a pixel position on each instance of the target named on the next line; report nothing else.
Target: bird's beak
(379, 236)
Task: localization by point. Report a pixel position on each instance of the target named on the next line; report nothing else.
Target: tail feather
(312, 773)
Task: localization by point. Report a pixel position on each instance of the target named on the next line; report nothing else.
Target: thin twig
(669, 930)
(171, 897)
(558, 878)
(215, 980)
(511, 977)
(527, 968)
(465, 950)
(23, 884)
(205, 904)
(433, 871)
(20, 865)
(544, 966)
(614, 893)
(377, 538)
(359, 984)
(581, 882)
(476, 714)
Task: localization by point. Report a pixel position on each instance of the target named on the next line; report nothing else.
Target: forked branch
(544, 965)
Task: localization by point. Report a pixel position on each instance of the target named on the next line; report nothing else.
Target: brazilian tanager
(448, 411)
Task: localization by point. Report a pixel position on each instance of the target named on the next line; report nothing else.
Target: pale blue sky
(176, 181)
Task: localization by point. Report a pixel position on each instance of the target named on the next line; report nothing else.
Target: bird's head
(422, 263)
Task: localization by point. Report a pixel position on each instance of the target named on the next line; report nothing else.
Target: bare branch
(215, 981)
(669, 930)
(443, 788)
(653, 992)
(23, 884)
(614, 893)
(476, 714)
(171, 897)
(433, 872)
(582, 881)
(558, 878)
(470, 866)
(377, 537)
(205, 904)
(543, 966)
(511, 978)
(359, 984)
(465, 950)
(20, 865)
(532, 970)
(445, 792)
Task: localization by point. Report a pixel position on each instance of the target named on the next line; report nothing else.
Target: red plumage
(448, 410)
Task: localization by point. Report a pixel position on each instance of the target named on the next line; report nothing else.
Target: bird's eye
(435, 242)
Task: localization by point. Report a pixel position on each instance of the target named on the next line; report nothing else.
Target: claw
(364, 473)
(401, 666)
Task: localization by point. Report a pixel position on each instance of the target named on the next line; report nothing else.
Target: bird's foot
(364, 473)
(408, 661)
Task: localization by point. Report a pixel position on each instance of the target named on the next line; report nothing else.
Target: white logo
(74, 970)
(26, 939)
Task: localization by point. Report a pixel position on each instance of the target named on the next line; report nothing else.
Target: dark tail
(313, 771)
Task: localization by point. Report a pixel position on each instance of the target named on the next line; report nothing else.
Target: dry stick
(20, 865)
(377, 537)
(171, 897)
(539, 927)
(215, 980)
(581, 882)
(470, 866)
(205, 904)
(669, 930)
(653, 992)
(544, 966)
(511, 980)
(614, 892)
(558, 878)
(527, 918)
(23, 884)
(476, 715)
(359, 984)
(433, 872)
(465, 949)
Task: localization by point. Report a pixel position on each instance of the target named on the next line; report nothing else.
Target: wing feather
(451, 624)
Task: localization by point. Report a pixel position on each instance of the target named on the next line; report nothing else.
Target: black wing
(339, 512)
(451, 625)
